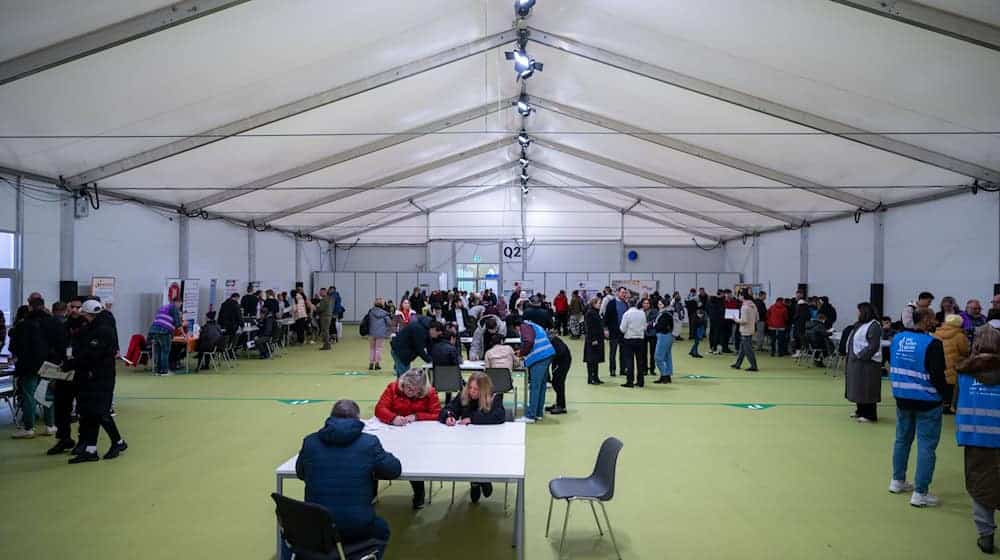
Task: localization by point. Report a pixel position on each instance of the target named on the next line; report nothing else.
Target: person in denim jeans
(161, 332)
(918, 380)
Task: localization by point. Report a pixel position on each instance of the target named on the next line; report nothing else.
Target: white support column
(755, 248)
(67, 240)
(332, 255)
(298, 260)
(804, 255)
(19, 245)
(251, 254)
(184, 246)
(621, 242)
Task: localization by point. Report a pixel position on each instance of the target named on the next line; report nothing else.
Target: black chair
(310, 534)
(598, 487)
(447, 379)
(503, 382)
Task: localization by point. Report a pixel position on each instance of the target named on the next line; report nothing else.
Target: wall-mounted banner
(589, 289)
(232, 287)
(638, 288)
(104, 288)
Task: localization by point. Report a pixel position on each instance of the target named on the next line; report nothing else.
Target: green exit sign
(477, 258)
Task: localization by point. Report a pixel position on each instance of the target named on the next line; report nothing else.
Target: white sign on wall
(104, 288)
(512, 252)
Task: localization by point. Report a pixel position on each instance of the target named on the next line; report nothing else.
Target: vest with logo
(977, 420)
(908, 370)
(542, 348)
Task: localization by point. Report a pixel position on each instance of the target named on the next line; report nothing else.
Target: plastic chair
(310, 533)
(503, 382)
(447, 379)
(598, 487)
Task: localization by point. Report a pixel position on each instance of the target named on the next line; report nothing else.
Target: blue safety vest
(907, 369)
(542, 348)
(977, 421)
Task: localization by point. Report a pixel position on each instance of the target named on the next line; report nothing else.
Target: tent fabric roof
(637, 133)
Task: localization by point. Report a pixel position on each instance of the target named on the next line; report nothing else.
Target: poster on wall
(212, 290)
(103, 287)
(192, 299)
(231, 287)
(173, 290)
(638, 288)
(589, 288)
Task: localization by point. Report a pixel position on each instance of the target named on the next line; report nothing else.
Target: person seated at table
(444, 350)
(265, 330)
(499, 355)
(818, 337)
(209, 340)
(477, 404)
(482, 337)
(410, 399)
(339, 464)
(178, 347)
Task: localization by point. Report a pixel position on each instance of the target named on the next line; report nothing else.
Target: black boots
(61, 447)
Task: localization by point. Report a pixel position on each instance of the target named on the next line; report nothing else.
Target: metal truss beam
(109, 36)
(939, 21)
(411, 198)
(347, 155)
(642, 198)
(765, 106)
(706, 154)
(338, 93)
(656, 178)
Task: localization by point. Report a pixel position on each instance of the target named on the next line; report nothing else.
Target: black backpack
(363, 327)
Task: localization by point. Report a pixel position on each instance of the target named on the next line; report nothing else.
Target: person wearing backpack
(376, 326)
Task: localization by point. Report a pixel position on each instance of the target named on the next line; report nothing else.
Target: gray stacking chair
(598, 487)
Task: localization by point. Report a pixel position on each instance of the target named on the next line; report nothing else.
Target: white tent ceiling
(663, 122)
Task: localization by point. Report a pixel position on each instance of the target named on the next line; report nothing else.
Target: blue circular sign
(633, 255)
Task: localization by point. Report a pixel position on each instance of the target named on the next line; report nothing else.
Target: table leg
(279, 488)
(519, 520)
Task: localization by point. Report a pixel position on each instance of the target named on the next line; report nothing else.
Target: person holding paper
(478, 405)
(33, 340)
(340, 465)
(747, 322)
(410, 399)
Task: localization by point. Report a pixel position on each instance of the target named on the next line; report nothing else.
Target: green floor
(698, 478)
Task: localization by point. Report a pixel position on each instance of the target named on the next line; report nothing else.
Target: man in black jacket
(64, 393)
(209, 340)
(35, 340)
(94, 362)
(412, 342)
(231, 315)
(249, 303)
(561, 363)
(612, 323)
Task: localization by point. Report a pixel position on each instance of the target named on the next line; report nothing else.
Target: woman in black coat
(593, 340)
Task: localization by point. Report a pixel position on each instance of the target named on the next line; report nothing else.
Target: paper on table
(52, 371)
(733, 314)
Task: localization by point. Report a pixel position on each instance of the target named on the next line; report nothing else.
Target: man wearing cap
(94, 362)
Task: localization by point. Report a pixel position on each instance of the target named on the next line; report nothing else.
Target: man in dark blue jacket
(413, 341)
(340, 466)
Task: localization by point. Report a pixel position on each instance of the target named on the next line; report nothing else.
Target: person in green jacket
(324, 310)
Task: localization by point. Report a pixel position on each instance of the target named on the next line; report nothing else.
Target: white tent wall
(948, 247)
(41, 241)
(139, 248)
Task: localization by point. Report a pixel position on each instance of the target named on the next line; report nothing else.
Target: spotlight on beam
(524, 162)
(524, 176)
(524, 64)
(524, 140)
(524, 107)
(523, 7)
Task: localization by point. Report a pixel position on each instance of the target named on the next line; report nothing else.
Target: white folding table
(435, 452)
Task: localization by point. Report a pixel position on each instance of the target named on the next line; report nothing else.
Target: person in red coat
(561, 307)
(409, 399)
(777, 323)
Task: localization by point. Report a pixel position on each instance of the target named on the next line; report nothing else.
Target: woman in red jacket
(561, 306)
(410, 399)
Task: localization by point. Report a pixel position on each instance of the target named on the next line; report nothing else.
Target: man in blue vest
(977, 429)
(537, 351)
(917, 375)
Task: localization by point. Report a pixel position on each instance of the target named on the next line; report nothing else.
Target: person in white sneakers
(918, 381)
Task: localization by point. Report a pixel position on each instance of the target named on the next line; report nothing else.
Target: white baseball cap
(91, 307)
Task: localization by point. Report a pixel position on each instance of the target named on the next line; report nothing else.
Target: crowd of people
(78, 337)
